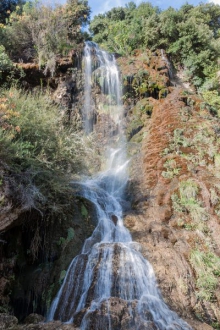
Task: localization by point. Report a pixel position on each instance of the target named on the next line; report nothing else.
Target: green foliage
(6, 7)
(42, 32)
(171, 169)
(61, 241)
(84, 211)
(40, 152)
(216, 325)
(121, 29)
(64, 241)
(207, 268)
(212, 98)
(70, 234)
(189, 35)
(187, 202)
(62, 276)
(5, 62)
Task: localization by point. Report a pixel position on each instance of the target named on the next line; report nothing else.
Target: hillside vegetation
(190, 36)
(39, 151)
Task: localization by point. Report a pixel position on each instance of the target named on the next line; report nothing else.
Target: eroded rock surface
(175, 181)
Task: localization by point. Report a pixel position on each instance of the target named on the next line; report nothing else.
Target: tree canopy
(7, 6)
(190, 35)
(38, 31)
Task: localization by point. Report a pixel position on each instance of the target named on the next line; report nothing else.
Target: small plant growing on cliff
(171, 169)
(207, 268)
(64, 241)
(62, 276)
(187, 202)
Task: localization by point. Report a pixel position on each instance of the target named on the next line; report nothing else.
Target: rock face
(175, 185)
(121, 316)
(174, 191)
(28, 280)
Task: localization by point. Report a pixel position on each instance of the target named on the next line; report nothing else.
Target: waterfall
(110, 285)
(168, 64)
(87, 111)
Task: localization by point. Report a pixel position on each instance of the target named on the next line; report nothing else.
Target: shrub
(5, 62)
(42, 32)
(207, 268)
(40, 153)
(187, 202)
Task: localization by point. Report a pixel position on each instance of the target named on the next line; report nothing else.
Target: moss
(47, 296)
(62, 276)
(134, 127)
(143, 88)
(148, 109)
(163, 93)
(84, 210)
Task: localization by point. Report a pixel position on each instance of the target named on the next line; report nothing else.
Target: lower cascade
(110, 285)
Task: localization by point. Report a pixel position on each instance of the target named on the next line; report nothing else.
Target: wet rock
(121, 314)
(55, 325)
(33, 319)
(114, 219)
(7, 321)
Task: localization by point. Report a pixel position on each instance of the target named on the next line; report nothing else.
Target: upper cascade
(101, 69)
(110, 285)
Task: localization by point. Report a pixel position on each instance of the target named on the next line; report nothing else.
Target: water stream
(110, 285)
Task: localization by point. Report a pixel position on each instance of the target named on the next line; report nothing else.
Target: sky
(101, 6)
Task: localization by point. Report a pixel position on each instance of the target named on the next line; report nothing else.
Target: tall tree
(7, 6)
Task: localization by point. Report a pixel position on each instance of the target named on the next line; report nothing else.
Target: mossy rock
(33, 319)
(152, 84)
(137, 138)
(143, 107)
(143, 89)
(134, 127)
(149, 109)
(163, 93)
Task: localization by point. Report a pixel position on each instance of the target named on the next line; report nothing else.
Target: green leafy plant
(42, 32)
(207, 268)
(84, 211)
(5, 62)
(171, 169)
(62, 276)
(187, 202)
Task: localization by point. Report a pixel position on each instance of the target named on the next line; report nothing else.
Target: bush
(39, 152)
(42, 32)
(189, 35)
(207, 268)
(5, 62)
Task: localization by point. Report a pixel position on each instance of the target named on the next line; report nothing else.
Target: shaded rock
(114, 219)
(33, 319)
(55, 325)
(7, 321)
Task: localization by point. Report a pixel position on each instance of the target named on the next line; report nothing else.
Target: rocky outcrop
(32, 322)
(35, 257)
(175, 182)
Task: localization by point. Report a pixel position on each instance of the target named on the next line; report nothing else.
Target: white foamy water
(111, 266)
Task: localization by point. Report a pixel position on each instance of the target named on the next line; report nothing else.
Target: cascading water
(169, 66)
(110, 276)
